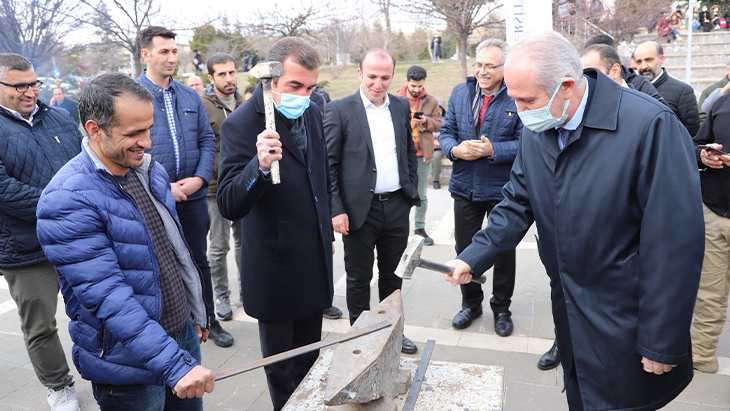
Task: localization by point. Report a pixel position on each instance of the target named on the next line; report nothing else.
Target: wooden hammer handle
(443, 268)
(271, 125)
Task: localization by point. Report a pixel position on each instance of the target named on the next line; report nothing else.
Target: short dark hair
(13, 61)
(219, 58)
(297, 49)
(600, 39)
(98, 97)
(249, 89)
(380, 52)
(145, 36)
(416, 73)
(608, 55)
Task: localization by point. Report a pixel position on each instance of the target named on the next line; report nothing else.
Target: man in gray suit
(373, 173)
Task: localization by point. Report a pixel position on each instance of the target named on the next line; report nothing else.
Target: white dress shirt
(383, 137)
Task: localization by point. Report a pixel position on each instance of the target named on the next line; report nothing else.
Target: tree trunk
(137, 65)
(462, 55)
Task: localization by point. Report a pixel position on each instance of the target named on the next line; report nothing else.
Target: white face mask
(541, 119)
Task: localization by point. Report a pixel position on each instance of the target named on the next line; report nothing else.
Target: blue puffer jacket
(98, 240)
(29, 157)
(195, 138)
(482, 179)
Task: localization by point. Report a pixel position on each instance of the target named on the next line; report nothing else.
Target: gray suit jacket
(352, 161)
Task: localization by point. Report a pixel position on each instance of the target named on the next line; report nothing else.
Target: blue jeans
(151, 397)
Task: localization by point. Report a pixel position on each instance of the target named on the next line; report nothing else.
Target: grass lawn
(440, 81)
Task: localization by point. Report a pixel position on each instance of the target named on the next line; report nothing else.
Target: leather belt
(386, 196)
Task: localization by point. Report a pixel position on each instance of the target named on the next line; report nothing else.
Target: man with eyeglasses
(35, 142)
(480, 135)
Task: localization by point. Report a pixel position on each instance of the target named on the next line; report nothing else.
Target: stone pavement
(429, 303)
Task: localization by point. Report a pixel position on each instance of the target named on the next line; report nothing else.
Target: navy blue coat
(286, 246)
(195, 138)
(621, 235)
(482, 179)
(29, 157)
(98, 240)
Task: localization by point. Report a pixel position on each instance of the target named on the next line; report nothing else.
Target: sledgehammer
(412, 258)
(265, 72)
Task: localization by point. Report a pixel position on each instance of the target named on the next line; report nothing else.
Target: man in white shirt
(373, 173)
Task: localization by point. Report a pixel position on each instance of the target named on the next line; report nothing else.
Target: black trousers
(195, 223)
(279, 336)
(572, 391)
(468, 219)
(385, 229)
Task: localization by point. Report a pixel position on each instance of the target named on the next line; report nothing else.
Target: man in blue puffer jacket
(184, 143)
(480, 135)
(35, 142)
(107, 222)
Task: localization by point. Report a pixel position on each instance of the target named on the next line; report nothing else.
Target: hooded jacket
(97, 238)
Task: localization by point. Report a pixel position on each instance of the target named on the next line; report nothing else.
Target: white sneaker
(63, 399)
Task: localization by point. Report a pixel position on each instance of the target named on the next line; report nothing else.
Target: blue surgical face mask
(541, 119)
(292, 106)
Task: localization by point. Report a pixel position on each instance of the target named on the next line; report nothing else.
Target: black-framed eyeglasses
(23, 87)
(480, 66)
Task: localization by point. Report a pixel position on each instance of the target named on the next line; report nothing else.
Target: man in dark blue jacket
(480, 135)
(107, 222)
(35, 142)
(184, 143)
(609, 177)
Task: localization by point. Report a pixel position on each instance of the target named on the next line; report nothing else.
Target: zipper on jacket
(57, 140)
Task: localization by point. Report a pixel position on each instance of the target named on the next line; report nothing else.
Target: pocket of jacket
(23, 235)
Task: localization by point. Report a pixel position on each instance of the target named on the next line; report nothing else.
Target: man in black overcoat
(286, 251)
(609, 177)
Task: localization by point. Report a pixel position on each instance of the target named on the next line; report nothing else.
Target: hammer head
(410, 258)
(268, 70)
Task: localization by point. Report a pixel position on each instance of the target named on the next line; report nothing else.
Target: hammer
(412, 258)
(265, 72)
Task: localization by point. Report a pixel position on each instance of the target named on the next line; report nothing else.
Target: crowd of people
(132, 222)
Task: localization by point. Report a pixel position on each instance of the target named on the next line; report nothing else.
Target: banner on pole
(522, 16)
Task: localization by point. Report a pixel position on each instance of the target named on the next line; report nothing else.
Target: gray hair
(98, 97)
(553, 58)
(502, 45)
(297, 49)
(12, 61)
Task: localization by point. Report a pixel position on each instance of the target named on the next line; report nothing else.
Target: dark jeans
(468, 219)
(151, 397)
(279, 336)
(385, 228)
(195, 223)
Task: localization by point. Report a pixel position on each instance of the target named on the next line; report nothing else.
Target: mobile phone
(714, 149)
(418, 114)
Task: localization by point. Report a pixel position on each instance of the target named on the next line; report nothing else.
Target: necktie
(564, 135)
(483, 110)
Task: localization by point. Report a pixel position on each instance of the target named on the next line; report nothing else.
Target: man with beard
(679, 96)
(219, 100)
(423, 125)
(480, 135)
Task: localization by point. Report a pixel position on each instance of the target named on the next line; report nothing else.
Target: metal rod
(443, 268)
(418, 378)
(299, 351)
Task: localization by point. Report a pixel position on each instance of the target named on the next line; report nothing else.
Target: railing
(577, 26)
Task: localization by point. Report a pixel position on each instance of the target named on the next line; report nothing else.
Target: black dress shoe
(408, 347)
(465, 317)
(436, 185)
(332, 313)
(550, 359)
(503, 324)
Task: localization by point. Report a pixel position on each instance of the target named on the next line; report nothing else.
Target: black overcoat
(286, 250)
(621, 235)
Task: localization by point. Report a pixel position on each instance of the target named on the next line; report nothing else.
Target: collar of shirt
(366, 101)
(578, 116)
(169, 84)
(624, 84)
(20, 117)
(661, 73)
